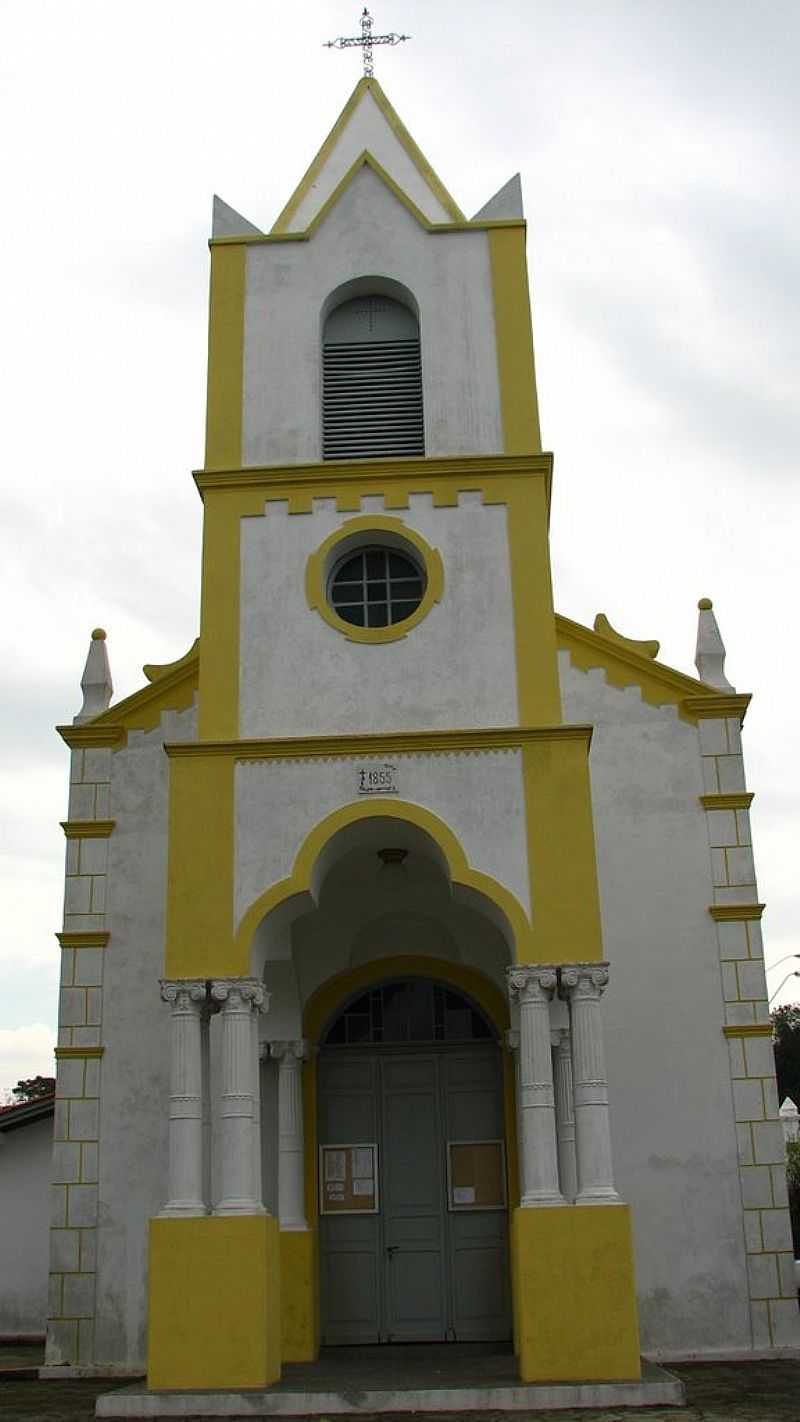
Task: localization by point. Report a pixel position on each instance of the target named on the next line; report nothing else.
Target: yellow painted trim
(659, 684)
(78, 1051)
(331, 995)
(154, 672)
(492, 738)
(575, 1288)
(366, 160)
(367, 85)
(603, 628)
(514, 336)
(443, 478)
(750, 1029)
(458, 868)
(87, 829)
(734, 913)
(83, 940)
(299, 1295)
(562, 862)
(200, 869)
(225, 356)
(320, 563)
(741, 801)
(717, 706)
(204, 1271)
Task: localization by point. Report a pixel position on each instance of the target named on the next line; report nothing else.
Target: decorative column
(291, 1183)
(565, 1113)
(533, 986)
(185, 1190)
(240, 998)
(583, 985)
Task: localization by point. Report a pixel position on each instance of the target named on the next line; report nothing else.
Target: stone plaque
(377, 779)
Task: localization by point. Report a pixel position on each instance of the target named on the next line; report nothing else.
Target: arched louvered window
(371, 381)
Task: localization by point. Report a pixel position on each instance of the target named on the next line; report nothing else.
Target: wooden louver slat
(371, 399)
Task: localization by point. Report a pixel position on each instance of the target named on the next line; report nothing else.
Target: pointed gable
(368, 124)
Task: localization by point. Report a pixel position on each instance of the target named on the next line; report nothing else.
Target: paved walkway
(715, 1392)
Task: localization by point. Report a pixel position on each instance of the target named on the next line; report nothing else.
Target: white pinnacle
(710, 655)
(96, 683)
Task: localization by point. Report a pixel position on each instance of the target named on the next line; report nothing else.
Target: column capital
(297, 1050)
(511, 1038)
(250, 992)
(185, 992)
(583, 980)
(532, 982)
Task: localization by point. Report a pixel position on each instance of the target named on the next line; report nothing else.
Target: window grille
(376, 587)
(411, 1010)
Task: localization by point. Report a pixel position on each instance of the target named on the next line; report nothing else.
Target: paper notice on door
(362, 1164)
(334, 1190)
(464, 1195)
(335, 1165)
(363, 1187)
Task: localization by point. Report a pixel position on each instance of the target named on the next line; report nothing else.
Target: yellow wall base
(299, 1304)
(575, 1294)
(215, 1314)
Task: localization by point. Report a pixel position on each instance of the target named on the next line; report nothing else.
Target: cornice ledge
(91, 736)
(87, 829)
(720, 706)
(390, 742)
(91, 939)
(60, 1052)
(372, 471)
(748, 1029)
(734, 913)
(741, 801)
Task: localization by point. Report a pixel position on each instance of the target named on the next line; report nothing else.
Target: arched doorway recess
(412, 1186)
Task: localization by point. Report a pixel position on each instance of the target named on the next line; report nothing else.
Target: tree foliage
(786, 1042)
(33, 1089)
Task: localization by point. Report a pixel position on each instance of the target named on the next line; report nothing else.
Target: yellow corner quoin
(299, 1295)
(739, 801)
(576, 1294)
(87, 829)
(215, 1303)
(351, 536)
(734, 913)
(90, 939)
(748, 1029)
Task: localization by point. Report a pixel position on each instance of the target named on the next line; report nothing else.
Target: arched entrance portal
(412, 1169)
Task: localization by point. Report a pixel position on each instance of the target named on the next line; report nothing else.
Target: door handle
(392, 1249)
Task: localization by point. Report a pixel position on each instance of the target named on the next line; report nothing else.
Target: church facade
(413, 985)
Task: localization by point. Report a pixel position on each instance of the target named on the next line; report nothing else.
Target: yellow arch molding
(458, 867)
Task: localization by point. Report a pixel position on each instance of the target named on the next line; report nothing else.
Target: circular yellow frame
(320, 563)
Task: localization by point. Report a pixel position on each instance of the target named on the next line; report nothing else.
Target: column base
(575, 1294)
(203, 1271)
(299, 1296)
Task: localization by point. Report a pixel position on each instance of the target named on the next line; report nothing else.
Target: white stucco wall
(25, 1155)
(479, 796)
(369, 233)
(299, 676)
(669, 1077)
(135, 1070)
(368, 129)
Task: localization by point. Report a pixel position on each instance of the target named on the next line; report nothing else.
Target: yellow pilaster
(200, 871)
(575, 1293)
(215, 1303)
(225, 358)
(561, 852)
(299, 1296)
(518, 402)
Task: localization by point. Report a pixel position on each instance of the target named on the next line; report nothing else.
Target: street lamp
(784, 959)
(795, 974)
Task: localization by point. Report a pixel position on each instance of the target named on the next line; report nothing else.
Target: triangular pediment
(368, 124)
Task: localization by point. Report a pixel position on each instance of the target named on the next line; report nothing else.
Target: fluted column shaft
(583, 985)
(240, 999)
(185, 1194)
(565, 1114)
(291, 1164)
(533, 987)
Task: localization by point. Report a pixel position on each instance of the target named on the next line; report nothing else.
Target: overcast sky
(657, 141)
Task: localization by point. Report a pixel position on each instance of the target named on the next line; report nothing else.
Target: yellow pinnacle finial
(705, 604)
(99, 634)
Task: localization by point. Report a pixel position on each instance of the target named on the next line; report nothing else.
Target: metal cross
(365, 41)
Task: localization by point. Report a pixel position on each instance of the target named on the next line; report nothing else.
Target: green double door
(412, 1269)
